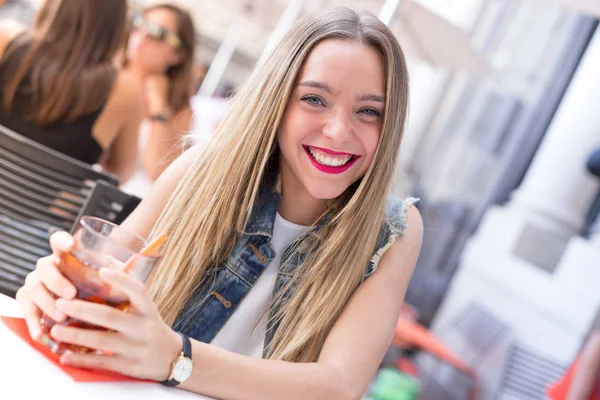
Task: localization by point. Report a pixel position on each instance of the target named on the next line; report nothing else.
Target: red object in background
(410, 334)
(560, 389)
(19, 328)
(407, 366)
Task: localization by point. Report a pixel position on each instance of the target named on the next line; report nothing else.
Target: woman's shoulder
(9, 29)
(126, 97)
(127, 87)
(397, 214)
(401, 217)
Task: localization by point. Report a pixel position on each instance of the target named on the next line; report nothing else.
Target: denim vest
(232, 281)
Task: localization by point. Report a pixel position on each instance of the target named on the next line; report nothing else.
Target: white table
(26, 374)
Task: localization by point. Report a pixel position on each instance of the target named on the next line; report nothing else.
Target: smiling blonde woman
(287, 262)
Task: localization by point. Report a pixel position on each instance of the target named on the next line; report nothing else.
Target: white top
(239, 333)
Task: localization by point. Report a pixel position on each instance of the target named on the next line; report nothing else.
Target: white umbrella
(432, 38)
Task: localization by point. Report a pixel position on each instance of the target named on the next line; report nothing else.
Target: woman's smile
(330, 161)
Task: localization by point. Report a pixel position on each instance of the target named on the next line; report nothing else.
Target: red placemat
(19, 328)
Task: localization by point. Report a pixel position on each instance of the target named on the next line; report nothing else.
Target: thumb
(61, 242)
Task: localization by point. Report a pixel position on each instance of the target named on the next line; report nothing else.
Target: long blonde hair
(211, 207)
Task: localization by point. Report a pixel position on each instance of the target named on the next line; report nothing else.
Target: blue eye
(312, 100)
(371, 112)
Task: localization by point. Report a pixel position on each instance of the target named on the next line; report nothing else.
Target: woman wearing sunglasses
(60, 87)
(160, 53)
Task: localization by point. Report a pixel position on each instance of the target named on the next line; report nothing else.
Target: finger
(41, 297)
(92, 339)
(132, 288)
(99, 314)
(113, 363)
(61, 242)
(55, 282)
(31, 313)
(112, 263)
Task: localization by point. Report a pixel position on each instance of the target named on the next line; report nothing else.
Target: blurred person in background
(160, 53)
(581, 381)
(593, 162)
(593, 219)
(60, 86)
(586, 375)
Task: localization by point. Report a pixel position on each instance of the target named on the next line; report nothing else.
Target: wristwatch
(181, 368)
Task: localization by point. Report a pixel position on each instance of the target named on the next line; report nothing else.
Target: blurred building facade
(471, 149)
(502, 174)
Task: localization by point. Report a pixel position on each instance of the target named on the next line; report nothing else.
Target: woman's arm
(587, 371)
(165, 142)
(165, 137)
(144, 346)
(350, 356)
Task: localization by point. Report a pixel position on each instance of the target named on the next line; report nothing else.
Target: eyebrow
(328, 89)
(318, 85)
(370, 97)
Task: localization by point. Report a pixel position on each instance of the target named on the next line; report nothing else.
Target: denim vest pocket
(213, 305)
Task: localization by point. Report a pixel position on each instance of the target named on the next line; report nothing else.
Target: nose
(338, 127)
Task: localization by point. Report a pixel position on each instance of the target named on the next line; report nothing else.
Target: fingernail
(55, 331)
(69, 241)
(35, 333)
(60, 303)
(69, 292)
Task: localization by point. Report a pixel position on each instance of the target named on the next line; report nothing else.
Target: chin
(327, 192)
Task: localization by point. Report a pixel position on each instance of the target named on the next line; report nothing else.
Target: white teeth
(328, 160)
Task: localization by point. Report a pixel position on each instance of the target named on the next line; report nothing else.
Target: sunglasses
(156, 32)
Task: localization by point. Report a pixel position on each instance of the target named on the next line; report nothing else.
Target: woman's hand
(44, 284)
(141, 345)
(157, 92)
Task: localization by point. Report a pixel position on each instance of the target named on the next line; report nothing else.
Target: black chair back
(42, 191)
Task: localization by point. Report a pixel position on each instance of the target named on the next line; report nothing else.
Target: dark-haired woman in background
(59, 84)
(160, 53)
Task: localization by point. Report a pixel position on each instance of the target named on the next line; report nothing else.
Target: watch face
(182, 369)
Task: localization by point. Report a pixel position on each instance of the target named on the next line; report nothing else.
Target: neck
(136, 71)
(297, 205)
